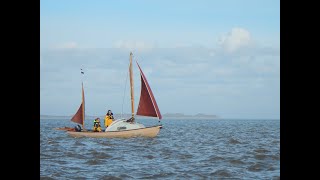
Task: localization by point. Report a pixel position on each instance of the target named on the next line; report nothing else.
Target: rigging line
(141, 60)
(125, 86)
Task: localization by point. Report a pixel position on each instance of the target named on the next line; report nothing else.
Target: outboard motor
(77, 128)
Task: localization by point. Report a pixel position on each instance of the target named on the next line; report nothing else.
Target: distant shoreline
(164, 116)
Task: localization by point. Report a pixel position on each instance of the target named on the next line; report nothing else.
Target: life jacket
(96, 123)
(96, 126)
(97, 129)
(108, 120)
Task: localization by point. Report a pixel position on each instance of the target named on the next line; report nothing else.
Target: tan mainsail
(80, 114)
(147, 104)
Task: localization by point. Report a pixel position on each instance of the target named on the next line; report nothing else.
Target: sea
(184, 149)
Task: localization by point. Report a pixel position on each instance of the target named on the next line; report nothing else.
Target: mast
(83, 103)
(83, 114)
(131, 86)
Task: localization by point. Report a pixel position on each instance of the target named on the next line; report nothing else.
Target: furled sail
(147, 104)
(79, 116)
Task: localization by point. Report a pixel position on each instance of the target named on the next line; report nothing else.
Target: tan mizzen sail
(80, 114)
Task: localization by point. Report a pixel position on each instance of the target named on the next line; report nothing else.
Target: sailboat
(125, 128)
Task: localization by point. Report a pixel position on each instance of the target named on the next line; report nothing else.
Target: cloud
(182, 45)
(212, 54)
(236, 39)
(205, 76)
(133, 45)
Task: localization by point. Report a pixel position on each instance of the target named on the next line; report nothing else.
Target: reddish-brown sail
(79, 116)
(147, 104)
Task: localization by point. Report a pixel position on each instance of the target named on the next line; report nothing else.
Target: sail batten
(147, 104)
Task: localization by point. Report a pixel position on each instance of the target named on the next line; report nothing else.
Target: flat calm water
(184, 149)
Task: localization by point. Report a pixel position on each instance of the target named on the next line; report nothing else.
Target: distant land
(164, 116)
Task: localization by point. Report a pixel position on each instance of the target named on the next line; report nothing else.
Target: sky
(199, 56)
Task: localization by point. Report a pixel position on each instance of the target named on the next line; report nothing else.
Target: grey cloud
(180, 72)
